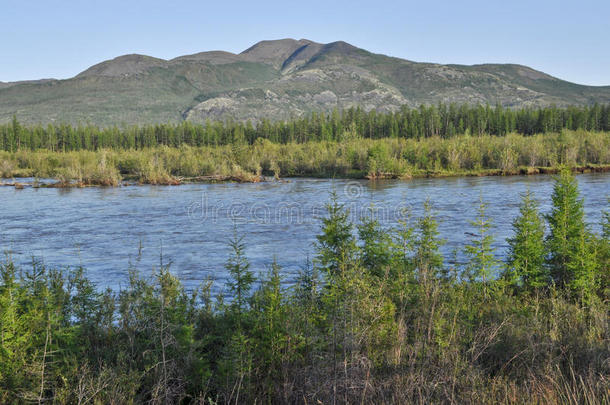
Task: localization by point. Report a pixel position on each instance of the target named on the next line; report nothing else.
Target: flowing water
(108, 229)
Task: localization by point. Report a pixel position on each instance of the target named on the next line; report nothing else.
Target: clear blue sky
(570, 40)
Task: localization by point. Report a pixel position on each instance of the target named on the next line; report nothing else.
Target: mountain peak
(212, 57)
(274, 52)
(123, 66)
(277, 45)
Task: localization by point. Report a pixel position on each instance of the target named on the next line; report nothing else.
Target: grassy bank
(378, 318)
(355, 157)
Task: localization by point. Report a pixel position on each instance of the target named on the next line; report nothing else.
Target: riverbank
(389, 158)
(21, 182)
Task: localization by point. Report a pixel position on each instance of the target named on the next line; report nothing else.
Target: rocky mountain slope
(276, 80)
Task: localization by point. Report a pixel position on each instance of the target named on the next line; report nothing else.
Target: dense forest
(379, 316)
(442, 120)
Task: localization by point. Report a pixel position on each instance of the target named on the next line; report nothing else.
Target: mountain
(277, 80)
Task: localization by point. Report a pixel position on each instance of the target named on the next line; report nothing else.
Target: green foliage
(525, 266)
(349, 126)
(584, 267)
(570, 245)
(376, 247)
(371, 158)
(336, 244)
(604, 256)
(241, 279)
(482, 262)
(274, 342)
(428, 259)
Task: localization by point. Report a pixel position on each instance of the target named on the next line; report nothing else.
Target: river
(108, 229)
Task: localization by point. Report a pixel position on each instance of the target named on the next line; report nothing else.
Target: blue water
(107, 229)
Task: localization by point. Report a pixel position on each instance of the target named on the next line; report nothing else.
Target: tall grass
(382, 158)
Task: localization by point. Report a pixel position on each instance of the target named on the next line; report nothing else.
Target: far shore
(23, 180)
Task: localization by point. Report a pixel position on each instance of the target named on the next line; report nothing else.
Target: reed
(357, 158)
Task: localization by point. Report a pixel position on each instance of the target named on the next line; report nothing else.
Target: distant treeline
(426, 121)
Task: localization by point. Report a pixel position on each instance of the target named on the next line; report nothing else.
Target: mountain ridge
(276, 79)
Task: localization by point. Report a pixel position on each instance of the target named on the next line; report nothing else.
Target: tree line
(379, 317)
(426, 121)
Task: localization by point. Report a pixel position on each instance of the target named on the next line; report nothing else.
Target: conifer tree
(270, 329)
(402, 269)
(336, 244)
(428, 258)
(583, 266)
(376, 247)
(482, 262)
(241, 279)
(567, 231)
(268, 301)
(13, 336)
(525, 264)
(604, 256)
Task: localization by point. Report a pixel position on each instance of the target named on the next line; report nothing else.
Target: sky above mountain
(58, 39)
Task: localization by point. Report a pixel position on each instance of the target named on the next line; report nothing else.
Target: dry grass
(360, 158)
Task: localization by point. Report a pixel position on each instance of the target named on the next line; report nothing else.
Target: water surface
(107, 229)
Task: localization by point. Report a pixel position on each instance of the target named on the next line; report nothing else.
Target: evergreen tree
(482, 263)
(14, 337)
(271, 338)
(402, 269)
(336, 245)
(376, 247)
(241, 279)
(428, 259)
(525, 264)
(583, 266)
(604, 256)
(567, 231)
